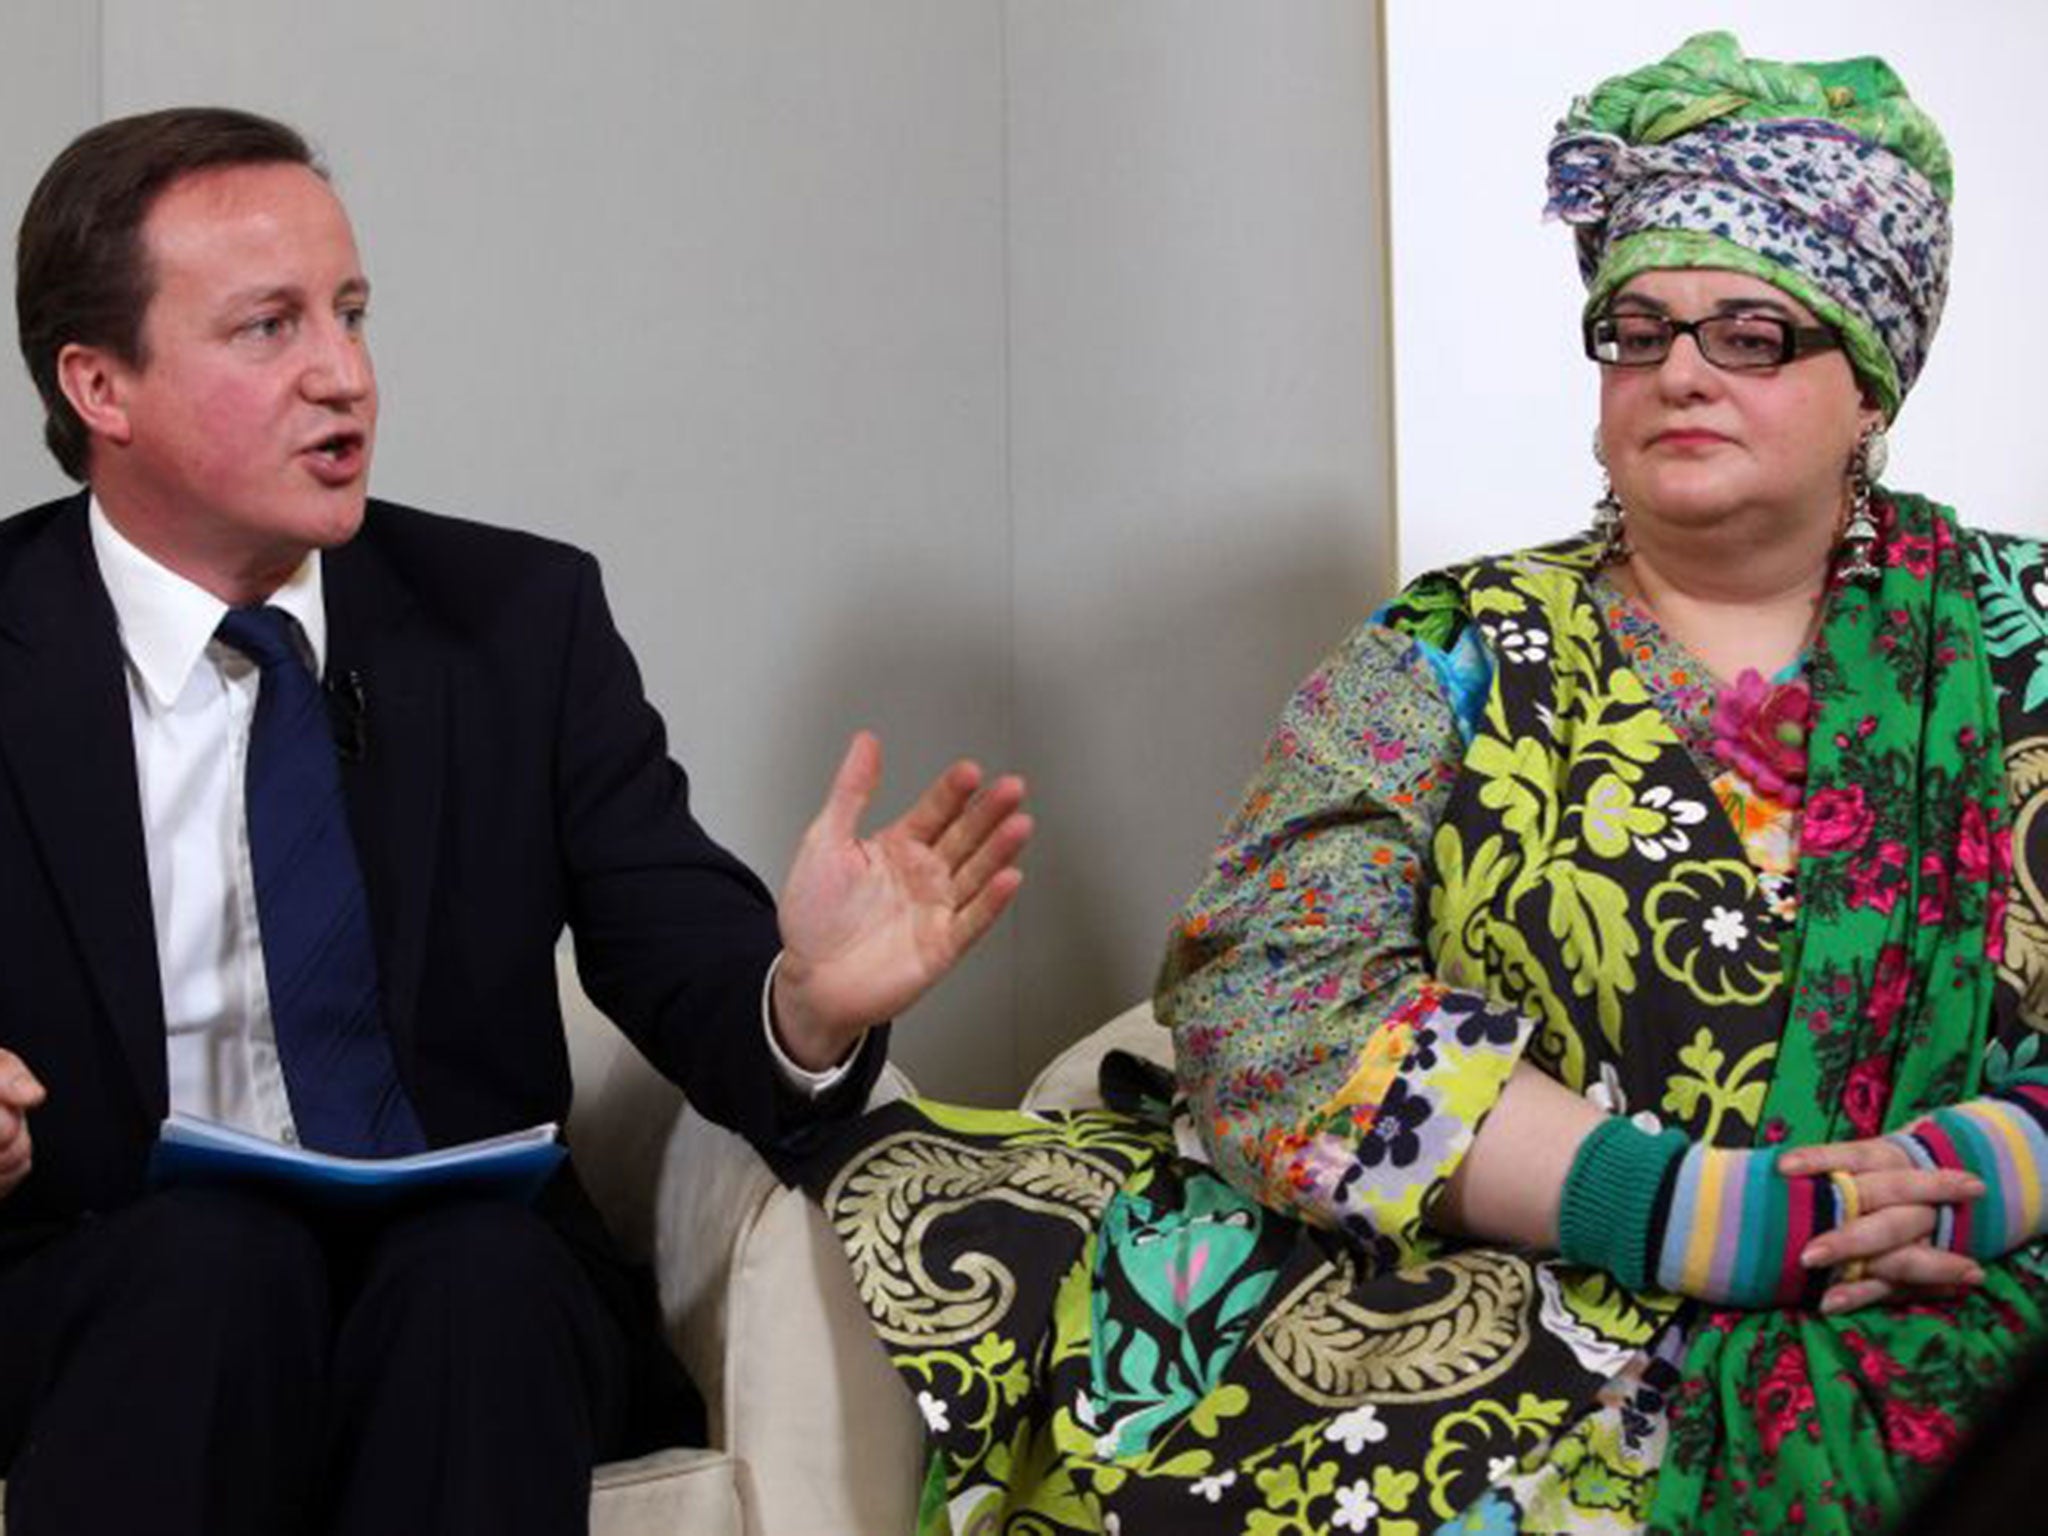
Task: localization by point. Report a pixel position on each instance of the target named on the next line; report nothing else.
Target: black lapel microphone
(348, 715)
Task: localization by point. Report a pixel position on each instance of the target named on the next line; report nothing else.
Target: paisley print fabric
(1488, 828)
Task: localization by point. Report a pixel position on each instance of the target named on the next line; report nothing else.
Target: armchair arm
(1069, 1081)
(761, 1307)
(756, 1295)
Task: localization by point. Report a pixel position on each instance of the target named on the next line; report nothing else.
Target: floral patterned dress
(1495, 825)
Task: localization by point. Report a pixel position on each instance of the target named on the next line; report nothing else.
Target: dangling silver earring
(1859, 534)
(1608, 525)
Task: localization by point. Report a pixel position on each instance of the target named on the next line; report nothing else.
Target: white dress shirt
(191, 700)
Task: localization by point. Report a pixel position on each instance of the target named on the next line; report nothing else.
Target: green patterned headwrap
(1825, 180)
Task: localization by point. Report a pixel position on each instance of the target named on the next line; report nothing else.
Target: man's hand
(1890, 1233)
(19, 1093)
(869, 924)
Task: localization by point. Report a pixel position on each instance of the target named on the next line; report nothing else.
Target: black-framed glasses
(1739, 340)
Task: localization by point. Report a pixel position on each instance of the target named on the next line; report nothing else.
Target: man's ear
(91, 378)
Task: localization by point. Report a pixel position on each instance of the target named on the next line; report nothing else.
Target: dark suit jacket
(513, 779)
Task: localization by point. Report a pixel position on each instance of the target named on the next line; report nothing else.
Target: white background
(1496, 403)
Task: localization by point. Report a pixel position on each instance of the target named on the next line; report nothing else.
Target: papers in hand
(511, 1167)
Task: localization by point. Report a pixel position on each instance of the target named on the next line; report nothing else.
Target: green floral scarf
(1790, 1419)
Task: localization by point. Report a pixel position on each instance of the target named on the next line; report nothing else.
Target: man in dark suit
(188, 1360)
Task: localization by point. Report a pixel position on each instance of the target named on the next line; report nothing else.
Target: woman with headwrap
(1607, 1030)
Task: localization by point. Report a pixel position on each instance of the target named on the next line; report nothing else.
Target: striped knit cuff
(1612, 1196)
(1734, 1229)
(2003, 1139)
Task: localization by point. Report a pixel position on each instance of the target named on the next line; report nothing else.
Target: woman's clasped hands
(1885, 1252)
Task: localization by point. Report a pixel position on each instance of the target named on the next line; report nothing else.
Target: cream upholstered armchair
(812, 1429)
(813, 1432)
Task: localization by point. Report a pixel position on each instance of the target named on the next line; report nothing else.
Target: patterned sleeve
(1329, 1074)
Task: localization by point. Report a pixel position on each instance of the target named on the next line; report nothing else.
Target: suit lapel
(66, 739)
(380, 640)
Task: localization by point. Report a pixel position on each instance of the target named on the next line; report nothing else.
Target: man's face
(244, 438)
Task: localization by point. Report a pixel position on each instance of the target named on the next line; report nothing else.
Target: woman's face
(1689, 445)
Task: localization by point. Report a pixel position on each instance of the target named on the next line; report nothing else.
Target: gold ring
(1850, 1206)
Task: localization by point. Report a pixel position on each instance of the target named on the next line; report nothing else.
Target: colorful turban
(1824, 180)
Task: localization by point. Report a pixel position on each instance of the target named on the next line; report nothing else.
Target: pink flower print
(1866, 1093)
(1973, 843)
(1924, 1433)
(1184, 1280)
(1783, 1398)
(1914, 551)
(1934, 891)
(1888, 988)
(1876, 882)
(1836, 819)
(1994, 926)
(1760, 732)
(1877, 1368)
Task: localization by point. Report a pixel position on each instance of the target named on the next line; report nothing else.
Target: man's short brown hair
(81, 272)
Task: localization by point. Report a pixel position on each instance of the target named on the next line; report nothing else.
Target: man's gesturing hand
(870, 923)
(19, 1093)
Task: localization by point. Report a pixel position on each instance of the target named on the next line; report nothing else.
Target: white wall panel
(49, 93)
(1199, 444)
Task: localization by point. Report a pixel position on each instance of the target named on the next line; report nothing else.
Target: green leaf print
(1463, 1445)
(1514, 973)
(2011, 577)
(1589, 918)
(1622, 725)
(1520, 781)
(1740, 1094)
(1608, 817)
(1226, 1402)
(1459, 898)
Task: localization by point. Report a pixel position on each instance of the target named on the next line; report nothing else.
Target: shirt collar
(166, 621)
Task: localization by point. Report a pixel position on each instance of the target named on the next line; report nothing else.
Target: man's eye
(354, 319)
(267, 327)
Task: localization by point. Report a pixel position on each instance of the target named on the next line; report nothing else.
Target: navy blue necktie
(310, 908)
